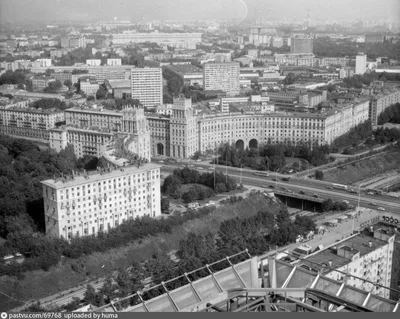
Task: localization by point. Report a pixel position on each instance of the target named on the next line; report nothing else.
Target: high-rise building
(85, 204)
(73, 42)
(361, 63)
(222, 76)
(147, 86)
(301, 45)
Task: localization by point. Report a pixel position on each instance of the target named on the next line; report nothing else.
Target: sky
(15, 11)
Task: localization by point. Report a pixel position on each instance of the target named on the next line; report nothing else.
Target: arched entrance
(253, 143)
(160, 149)
(240, 144)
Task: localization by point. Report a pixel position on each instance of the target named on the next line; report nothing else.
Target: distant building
(361, 63)
(93, 62)
(380, 102)
(301, 46)
(41, 82)
(147, 86)
(374, 38)
(29, 122)
(73, 42)
(188, 74)
(222, 76)
(88, 85)
(114, 62)
(120, 89)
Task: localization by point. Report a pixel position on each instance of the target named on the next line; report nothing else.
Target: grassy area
(361, 170)
(39, 284)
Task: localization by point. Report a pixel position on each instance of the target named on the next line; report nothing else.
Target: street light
(276, 178)
(308, 171)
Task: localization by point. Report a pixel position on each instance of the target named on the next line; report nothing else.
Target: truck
(286, 179)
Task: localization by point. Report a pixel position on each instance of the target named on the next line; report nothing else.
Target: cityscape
(178, 156)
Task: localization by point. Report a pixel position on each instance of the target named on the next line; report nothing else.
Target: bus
(302, 251)
(262, 174)
(339, 186)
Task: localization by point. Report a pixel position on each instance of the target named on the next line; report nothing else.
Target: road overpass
(295, 185)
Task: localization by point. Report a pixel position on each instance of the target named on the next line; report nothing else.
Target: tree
(90, 98)
(68, 84)
(319, 175)
(327, 205)
(101, 94)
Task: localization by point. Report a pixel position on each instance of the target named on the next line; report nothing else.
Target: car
(182, 166)
(329, 187)
(346, 202)
(271, 186)
(316, 196)
(381, 209)
(211, 168)
(161, 162)
(264, 186)
(302, 192)
(370, 193)
(198, 160)
(373, 204)
(199, 168)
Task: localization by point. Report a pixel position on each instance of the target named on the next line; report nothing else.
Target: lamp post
(308, 168)
(276, 178)
(241, 173)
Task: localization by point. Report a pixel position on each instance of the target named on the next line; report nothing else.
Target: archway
(253, 143)
(240, 144)
(160, 149)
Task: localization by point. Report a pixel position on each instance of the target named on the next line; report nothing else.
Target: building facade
(222, 76)
(380, 102)
(177, 40)
(361, 64)
(29, 122)
(74, 42)
(87, 204)
(147, 86)
(89, 85)
(301, 45)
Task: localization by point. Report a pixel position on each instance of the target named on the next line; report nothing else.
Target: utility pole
(226, 171)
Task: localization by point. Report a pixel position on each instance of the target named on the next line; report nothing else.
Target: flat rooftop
(355, 244)
(117, 84)
(98, 110)
(95, 176)
(33, 110)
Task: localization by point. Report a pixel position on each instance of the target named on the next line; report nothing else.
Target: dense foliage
(45, 104)
(354, 137)
(390, 114)
(173, 184)
(272, 156)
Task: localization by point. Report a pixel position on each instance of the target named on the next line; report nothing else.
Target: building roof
(353, 245)
(33, 110)
(183, 69)
(23, 93)
(119, 84)
(93, 110)
(96, 176)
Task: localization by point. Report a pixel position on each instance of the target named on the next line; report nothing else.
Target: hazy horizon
(15, 11)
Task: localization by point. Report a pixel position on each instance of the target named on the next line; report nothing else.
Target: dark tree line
(354, 137)
(45, 104)
(390, 114)
(173, 184)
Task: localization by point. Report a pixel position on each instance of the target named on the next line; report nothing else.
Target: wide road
(309, 186)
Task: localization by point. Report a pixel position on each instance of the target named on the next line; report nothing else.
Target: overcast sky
(134, 10)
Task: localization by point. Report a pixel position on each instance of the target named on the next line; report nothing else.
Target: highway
(309, 186)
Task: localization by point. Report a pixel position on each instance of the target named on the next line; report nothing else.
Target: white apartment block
(147, 86)
(360, 256)
(89, 85)
(29, 122)
(93, 62)
(222, 76)
(114, 62)
(89, 203)
(361, 64)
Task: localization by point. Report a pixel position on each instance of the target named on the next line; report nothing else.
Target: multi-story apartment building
(361, 64)
(301, 45)
(177, 40)
(39, 83)
(29, 122)
(73, 42)
(101, 73)
(147, 86)
(363, 256)
(93, 62)
(159, 126)
(380, 102)
(296, 59)
(222, 76)
(310, 99)
(114, 62)
(93, 131)
(88, 85)
(334, 61)
(88, 203)
(86, 141)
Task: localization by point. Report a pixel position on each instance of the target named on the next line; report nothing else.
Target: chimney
(330, 263)
(370, 244)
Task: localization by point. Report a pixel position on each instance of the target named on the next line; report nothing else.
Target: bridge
(299, 196)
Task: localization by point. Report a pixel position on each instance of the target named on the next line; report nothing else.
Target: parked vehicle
(381, 209)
